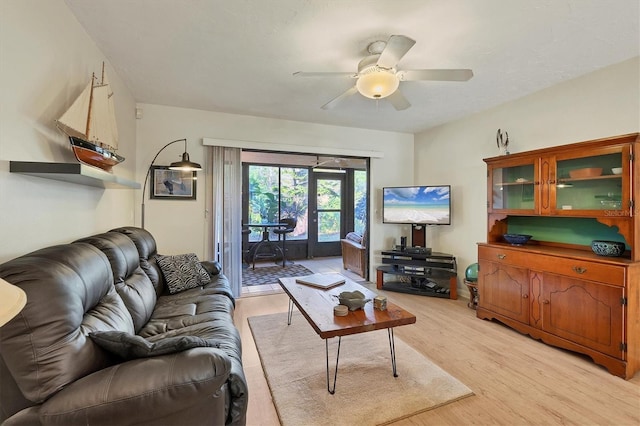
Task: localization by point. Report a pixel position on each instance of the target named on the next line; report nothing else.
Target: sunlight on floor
(317, 265)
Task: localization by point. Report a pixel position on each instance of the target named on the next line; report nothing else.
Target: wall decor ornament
(502, 140)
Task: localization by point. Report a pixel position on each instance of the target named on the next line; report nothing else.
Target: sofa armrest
(350, 243)
(141, 390)
(212, 267)
(354, 256)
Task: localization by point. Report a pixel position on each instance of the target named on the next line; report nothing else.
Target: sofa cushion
(185, 388)
(131, 282)
(182, 272)
(147, 250)
(130, 346)
(70, 293)
(354, 237)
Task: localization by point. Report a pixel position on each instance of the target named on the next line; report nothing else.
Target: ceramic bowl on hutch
(607, 248)
(585, 173)
(516, 239)
(616, 170)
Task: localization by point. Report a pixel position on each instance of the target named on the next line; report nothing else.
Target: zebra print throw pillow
(182, 272)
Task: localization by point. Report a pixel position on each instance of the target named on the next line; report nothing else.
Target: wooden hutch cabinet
(554, 288)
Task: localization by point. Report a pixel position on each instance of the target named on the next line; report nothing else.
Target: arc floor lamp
(184, 165)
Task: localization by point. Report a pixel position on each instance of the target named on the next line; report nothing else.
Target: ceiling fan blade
(325, 74)
(398, 100)
(335, 101)
(396, 48)
(435, 75)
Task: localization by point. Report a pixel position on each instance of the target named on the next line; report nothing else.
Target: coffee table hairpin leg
(290, 312)
(335, 373)
(392, 350)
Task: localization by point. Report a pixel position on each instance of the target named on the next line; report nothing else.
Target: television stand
(433, 274)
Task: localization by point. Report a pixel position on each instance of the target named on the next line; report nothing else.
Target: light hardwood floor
(516, 380)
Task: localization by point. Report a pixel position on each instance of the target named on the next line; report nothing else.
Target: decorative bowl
(353, 300)
(516, 239)
(585, 173)
(616, 170)
(607, 248)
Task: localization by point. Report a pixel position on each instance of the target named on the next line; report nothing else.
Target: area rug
(294, 364)
(270, 274)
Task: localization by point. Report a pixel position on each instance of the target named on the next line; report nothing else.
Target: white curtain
(225, 212)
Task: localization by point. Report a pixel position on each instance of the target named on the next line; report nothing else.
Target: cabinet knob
(502, 256)
(525, 296)
(546, 302)
(579, 270)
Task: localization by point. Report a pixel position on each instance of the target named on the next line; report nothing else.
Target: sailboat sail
(101, 131)
(91, 125)
(74, 121)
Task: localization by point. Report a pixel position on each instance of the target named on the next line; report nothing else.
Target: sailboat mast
(93, 77)
(102, 79)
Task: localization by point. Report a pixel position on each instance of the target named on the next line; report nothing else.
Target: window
(276, 192)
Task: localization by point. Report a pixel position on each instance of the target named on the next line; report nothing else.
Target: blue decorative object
(607, 248)
(516, 239)
(471, 273)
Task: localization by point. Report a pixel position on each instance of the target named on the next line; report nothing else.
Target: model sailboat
(90, 123)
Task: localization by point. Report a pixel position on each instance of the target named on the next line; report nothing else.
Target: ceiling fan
(329, 162)
(378, 78)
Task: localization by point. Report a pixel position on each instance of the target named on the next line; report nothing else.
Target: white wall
(46, 59)
(161, 124)
(600, 104)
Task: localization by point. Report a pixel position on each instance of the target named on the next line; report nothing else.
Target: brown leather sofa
(52, 370)
(354, 253)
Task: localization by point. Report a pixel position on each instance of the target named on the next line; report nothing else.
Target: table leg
(392, 349)
(265, 241)
(335, 373)
(290, 312)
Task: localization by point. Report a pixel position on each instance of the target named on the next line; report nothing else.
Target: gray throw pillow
(130, 346)
(182, 272)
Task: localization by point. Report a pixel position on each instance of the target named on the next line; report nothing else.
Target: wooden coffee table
(317, 304)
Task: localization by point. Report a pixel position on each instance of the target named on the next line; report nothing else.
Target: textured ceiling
(239, 56)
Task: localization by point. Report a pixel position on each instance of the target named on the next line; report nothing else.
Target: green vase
(471, 273)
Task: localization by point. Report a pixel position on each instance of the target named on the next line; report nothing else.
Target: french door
(327, 202)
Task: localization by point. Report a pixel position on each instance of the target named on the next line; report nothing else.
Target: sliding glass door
(327, 214)
(326, 204)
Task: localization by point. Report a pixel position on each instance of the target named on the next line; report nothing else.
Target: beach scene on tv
(417, 204)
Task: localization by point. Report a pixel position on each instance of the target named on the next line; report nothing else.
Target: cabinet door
(585, 312)
(512, 187)
(594, 183)
(504, 289)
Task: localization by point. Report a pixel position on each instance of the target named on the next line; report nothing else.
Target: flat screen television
(417, 205)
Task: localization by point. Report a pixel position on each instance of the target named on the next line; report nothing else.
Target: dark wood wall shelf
(72, 172)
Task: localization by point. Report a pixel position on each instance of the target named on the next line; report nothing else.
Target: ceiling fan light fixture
(377, 83)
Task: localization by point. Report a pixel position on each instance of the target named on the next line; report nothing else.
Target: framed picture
(172, 184)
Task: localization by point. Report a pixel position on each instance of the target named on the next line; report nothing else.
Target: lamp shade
(12, 300)
(377, 84)
(185, 165)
